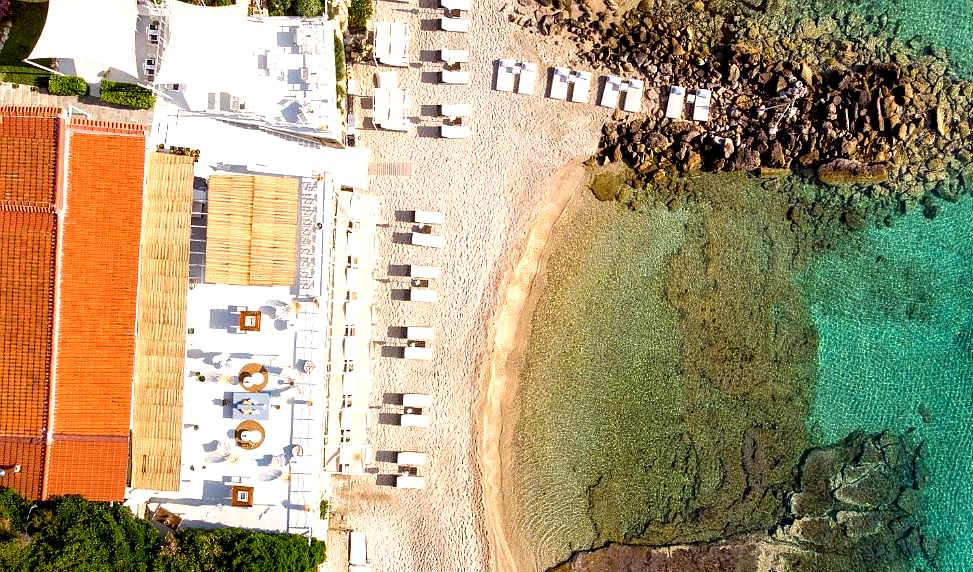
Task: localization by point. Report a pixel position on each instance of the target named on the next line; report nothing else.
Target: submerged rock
(841, 172)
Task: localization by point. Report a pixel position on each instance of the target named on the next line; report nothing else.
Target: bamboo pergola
(251, 230)
(161, 339)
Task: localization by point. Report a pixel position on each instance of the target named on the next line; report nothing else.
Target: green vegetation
(358, 15)
(279, 7)
(70, 533)
(67, 85)
(127, 94)
(308, 8)
(341, 85)
(28, 20)
(325, 507)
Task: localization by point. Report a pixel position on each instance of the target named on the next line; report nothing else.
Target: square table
(241, 496)
(250, 405)
(250, 321)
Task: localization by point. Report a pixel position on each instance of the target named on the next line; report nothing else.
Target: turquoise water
(894, 311)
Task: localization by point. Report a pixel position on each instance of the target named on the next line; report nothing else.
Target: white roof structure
(419, 333)
(427, 272)
(430, 240)
(634, 90)
(417, 353)
(410, 458)
(701, 106)
(207, 44)
(677, 100)
(428, 217)
(101, 32)
(416, 400)
(410, 482)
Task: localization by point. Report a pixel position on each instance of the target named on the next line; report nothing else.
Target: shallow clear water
(894, 312)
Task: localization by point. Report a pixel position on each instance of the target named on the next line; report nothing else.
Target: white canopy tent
(97, 33)
(207, 45)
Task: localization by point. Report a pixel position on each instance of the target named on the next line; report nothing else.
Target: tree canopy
(73, 534)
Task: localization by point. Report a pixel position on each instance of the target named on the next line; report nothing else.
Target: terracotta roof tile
(28, 156)
(94, 468)
(99, 278)
(26, 320)
(29, 454)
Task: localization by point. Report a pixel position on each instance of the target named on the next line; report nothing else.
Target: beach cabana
(410, 482)
(701, 105)
(559, 84)
(390, 103)
(676, 103)
(609, 94)
(582, 85)
(506, 75)
(454, 56)
(419, 333)
(634, 89)
(528, 78)
(357, 549)
(427, 295)
(426, 272)
(455, 110)
(418, 353)
(430, 240)
(454, 24)
(391, 41)
(410, 458)
(414, 420)
(454, 77)
(428, 217)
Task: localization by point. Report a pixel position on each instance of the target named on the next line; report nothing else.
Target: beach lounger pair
(579, 83)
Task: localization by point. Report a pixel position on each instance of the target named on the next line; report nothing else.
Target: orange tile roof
(99, 282)
(26, 320)
(28, 452)
(28, 155)
(93, 468)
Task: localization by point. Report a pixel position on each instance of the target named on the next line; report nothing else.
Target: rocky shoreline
(882, 123)
(855, 505)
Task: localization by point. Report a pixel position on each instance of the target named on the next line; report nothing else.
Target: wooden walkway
(390, 169)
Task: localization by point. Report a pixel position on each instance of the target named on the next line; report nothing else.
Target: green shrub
(127, 94)
(339, 58)
(308, 8)
(279, 7)
(358, 14)
(67, 85)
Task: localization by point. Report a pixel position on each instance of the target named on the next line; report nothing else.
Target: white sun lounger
(428, 217)
(609, 95)
(455, 110)
(418, 400)
(454, 56)
(676, 103)
(419, 332)
(455, 5)
(455, 77)
(357, 549)
(506, 75)
(559, 84)
(427, 295)
(454, 24)
(413, 420)
(410, 458)
(701, 107)
(528, 78)
(461, 131)
(634, 89)
(426, 272)
(417, 353)
(582, 85)
(430, 240)
(410, 482)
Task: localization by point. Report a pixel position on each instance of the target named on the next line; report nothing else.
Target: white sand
(490, 187)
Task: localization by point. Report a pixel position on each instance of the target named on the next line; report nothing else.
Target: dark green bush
(339, 58)
(127, 94)
(358, 15)
(67, 85)
(279, 7)
(308, 8)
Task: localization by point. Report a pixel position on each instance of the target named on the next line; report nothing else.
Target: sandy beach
(490, 188)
